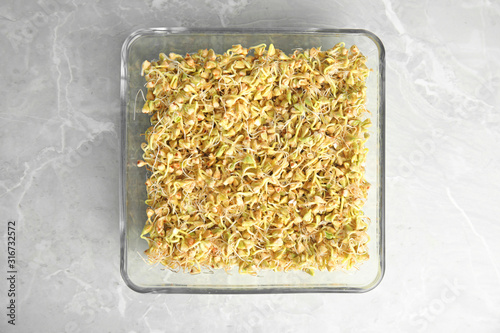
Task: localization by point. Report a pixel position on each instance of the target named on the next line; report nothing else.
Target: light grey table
(60, 118)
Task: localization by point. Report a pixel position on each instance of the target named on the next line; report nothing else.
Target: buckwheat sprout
(256, 160)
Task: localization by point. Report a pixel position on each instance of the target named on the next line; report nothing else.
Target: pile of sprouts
(256, 159)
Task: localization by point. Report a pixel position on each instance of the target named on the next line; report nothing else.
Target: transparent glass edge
(381, 174)
(123, 130)
(252, 290)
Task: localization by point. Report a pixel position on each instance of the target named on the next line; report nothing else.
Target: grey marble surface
(60, 123)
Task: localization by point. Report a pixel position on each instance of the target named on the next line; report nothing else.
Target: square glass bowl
(142, 277)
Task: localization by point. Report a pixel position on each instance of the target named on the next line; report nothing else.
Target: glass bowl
(142, 277)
